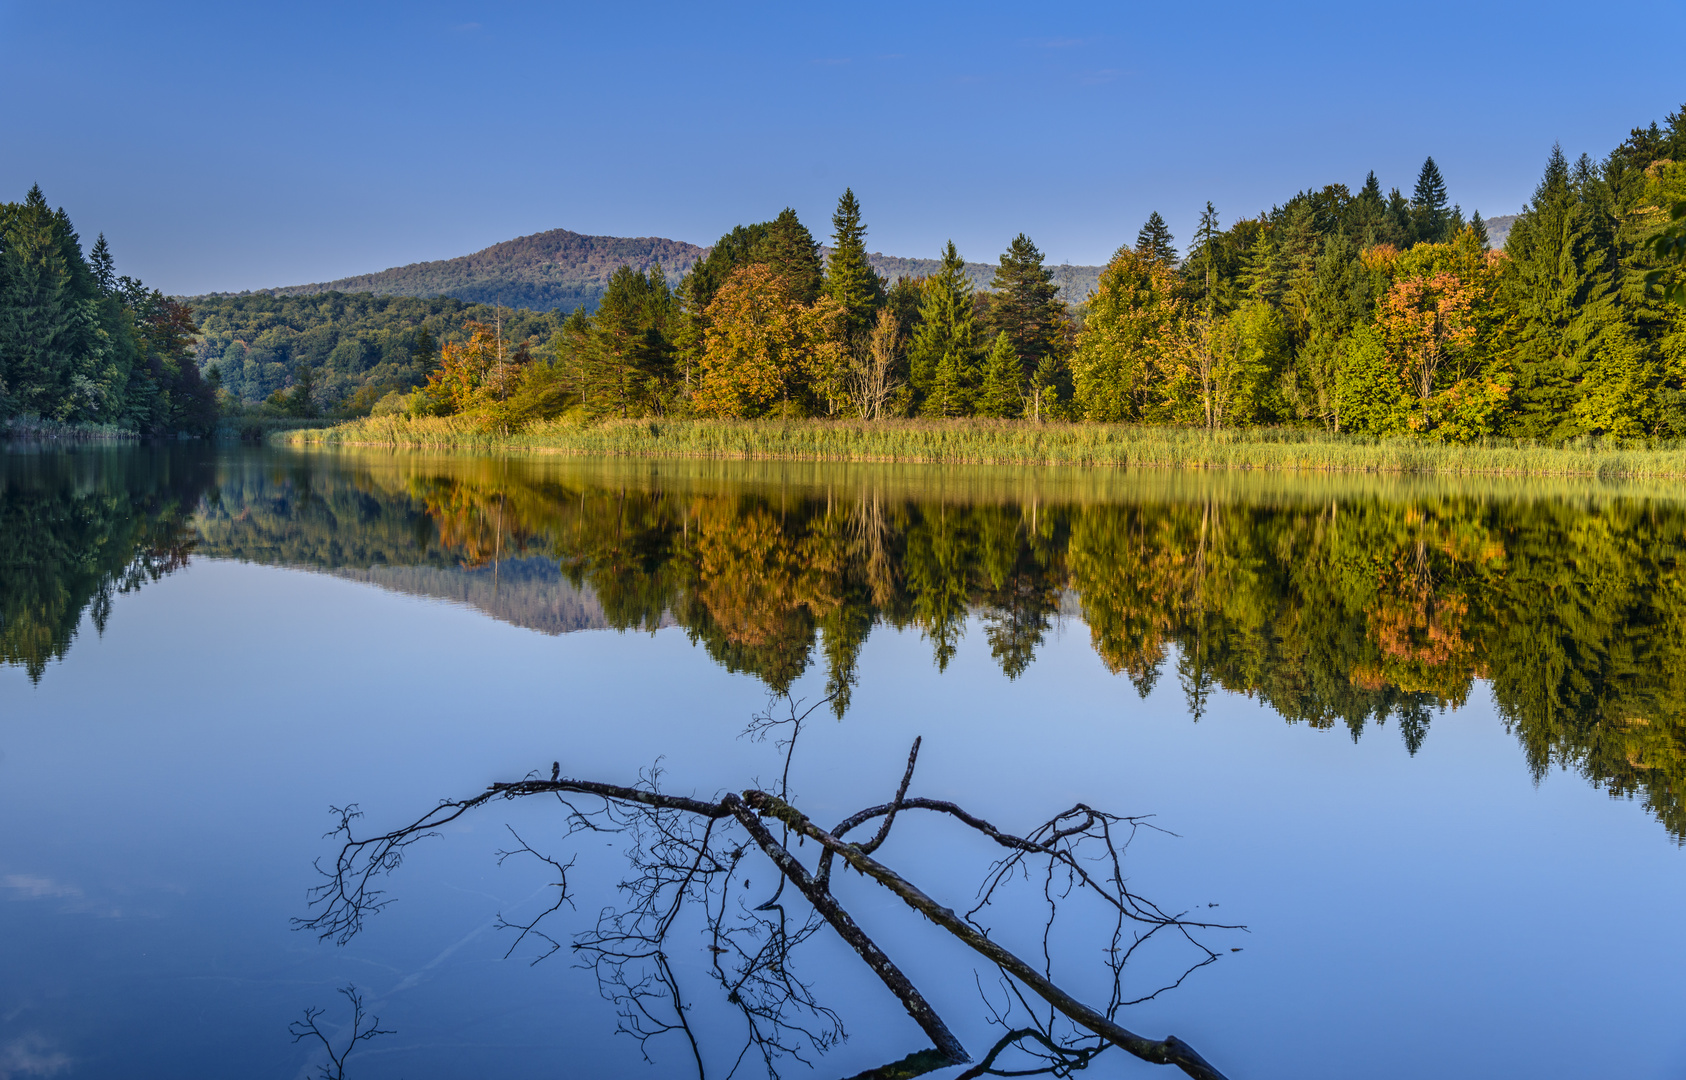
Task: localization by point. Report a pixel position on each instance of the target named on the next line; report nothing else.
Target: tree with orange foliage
(766, 352)
(1427, 323)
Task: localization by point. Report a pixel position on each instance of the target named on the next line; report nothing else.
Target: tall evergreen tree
(1026, 306)
(1480, 228)
(105, 270)
(1560, 287)
(1154, 240)
(943, 354)
(850, 281)
(1000, 393)
(1428, 204)
(794, 255)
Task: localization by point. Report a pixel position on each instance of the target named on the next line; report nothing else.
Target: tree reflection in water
(1337, 602)
(79, 528)
(691, 864)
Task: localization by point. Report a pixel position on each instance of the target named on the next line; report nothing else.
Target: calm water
(1427, 742)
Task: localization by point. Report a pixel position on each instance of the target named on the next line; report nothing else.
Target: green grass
(1013, 443)
(258, 428)
(33, 428)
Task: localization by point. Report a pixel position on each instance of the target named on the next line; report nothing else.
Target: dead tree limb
(685, 853)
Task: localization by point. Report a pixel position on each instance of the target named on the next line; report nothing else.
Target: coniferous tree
(104, 268)
(1026, 306)
(1428, 204)
(1560, 288)
(850, 281)
(792, 252)
(1154, 240)
(943, 352)
(1000, 393)
(1480, 228)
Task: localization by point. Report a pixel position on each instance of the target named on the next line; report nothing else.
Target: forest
(353, 347)
(1364, 312)
(1356, 312)
(80, 344)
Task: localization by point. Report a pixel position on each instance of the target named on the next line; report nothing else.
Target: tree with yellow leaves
(766, 353)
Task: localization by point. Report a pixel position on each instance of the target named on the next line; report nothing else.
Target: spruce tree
(1026, 306)
(1561, 287)
(850, 280)
(105, 270)
(1480, 228)
(1000, 394)
(942, 355)
(1154, 241)
(794, 255)
(1428, 204)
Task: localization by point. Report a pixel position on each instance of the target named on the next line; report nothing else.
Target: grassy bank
(254, 428)
(32, 428)
(1011, 443)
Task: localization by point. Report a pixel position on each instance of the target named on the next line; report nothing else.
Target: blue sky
(230, 146)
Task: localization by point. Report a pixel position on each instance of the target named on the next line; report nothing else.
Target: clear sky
(229, 146)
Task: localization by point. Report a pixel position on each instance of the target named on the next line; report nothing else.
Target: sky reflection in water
(1418, 904)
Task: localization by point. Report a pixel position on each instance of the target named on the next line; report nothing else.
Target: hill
(1498, 228)
(546, 271)
(563, 270)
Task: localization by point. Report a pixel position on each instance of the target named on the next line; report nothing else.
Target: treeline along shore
(1344, 328)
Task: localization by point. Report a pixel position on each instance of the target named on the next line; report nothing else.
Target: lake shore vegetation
(1013, 442)
(1352, 319)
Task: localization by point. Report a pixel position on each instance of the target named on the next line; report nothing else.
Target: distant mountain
(541, 272)
(1498, 228)
(562, 270)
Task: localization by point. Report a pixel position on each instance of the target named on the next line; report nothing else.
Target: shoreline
(979, 442)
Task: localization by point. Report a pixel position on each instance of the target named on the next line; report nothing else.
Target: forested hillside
(80, 344)
(545, 271)
(562, 270)
(356, 347)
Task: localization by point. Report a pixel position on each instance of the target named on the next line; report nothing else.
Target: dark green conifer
(1480, 229)
(792, 253)
(849, 279)
(1154, 241)
(1428, 204)
(1000, 389)
(1026, 306)
(1561, 289)
(104, 268)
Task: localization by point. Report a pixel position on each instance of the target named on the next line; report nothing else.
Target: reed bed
(987, 442)
(35, 429)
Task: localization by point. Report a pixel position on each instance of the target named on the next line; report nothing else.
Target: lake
(1421, 743)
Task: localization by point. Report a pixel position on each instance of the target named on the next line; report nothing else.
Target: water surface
(1423, 739)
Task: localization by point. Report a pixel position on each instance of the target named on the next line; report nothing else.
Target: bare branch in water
(308, 1028)
(690, 862)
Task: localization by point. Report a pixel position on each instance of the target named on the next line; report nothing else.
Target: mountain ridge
(560, 269)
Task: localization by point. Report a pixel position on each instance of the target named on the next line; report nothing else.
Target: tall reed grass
(995, 442)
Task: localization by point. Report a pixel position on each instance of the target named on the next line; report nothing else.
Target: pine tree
(794, 255)
(999, 392)
(1026, 306)
(1480, 229)
(1154, 241)
(943, 352)
(1428, 204)
(1560, 286)
(105, 270)
(850, 281)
